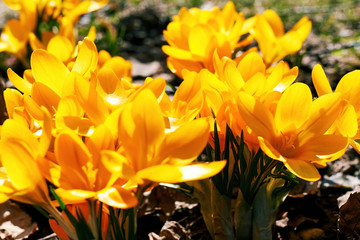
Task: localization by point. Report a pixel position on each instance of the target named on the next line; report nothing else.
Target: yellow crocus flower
(195, 34)
(19, 156)
(79, 174)
(185, 104)
(349, 86)
(147, 153)
(296, 134)
(273, 42)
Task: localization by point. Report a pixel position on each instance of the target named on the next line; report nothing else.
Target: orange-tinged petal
(181, 144)
(87, 58)
(45, 138)
(101, 139)
(290, 111)
(89, 99)
(45, 96)
(270, 150)
(92, 33)
(323, 113)
(12, 130)
(20, 83)
(13, 98)
(320, 81)
(287, 79)
(349, 86)
(303, 169)
(233, 76)
(103, 57)
(177, 65)
(255, 86)
(275, 22)
(107, 80)
(251, 64)
(33, 108)
(148, 119)
(35, 42)
(49, 70)
(120, 66)
(355, 145)
(73, 196)
(177, 53)
(322, 146)
(72, 155)
(117, 163)
(118, 197)
(256, 116)
(156, 85)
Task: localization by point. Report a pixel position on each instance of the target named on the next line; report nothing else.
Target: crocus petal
(269, 149)
(349, 86)
(118, 197)
(256, 116)
(347, 122)
(87, 58)
(12, 130)
(323, 113)
(177, 53)
(20, 166)
(303, 169)
(45, 96)
(117, 164)
(148, 119)
(71, 155)
(292, 111)
(120, 66)
(320, 81)
(275, 22)
(74, 195)
(251, 64)
(20, 83)
(13, 98)
(49, 70)
(174, 174)
(61, 47)
(90, 101)
(107, 80)
(323, 146)
(181, 144)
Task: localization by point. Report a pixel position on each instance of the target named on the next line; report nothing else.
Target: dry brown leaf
(14, 222)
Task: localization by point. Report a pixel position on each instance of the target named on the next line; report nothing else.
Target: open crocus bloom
(147, 153)
(79, 174)
(349, 86)
(273, 42)
(296, 135)
(20, 151)
(195, 34)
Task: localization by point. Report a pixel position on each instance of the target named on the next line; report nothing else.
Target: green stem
(93, 219)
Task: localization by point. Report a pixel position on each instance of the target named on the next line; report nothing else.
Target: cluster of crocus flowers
(78, 122)
(96, 136)
(47, 25)
(254, 94)
(195, 34)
